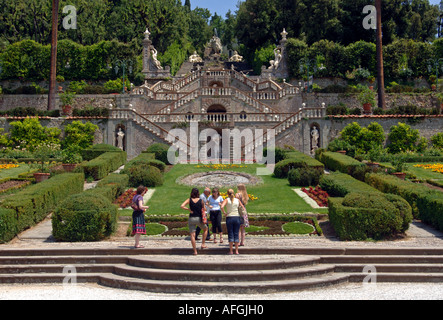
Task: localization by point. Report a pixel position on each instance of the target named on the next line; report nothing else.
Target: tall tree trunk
(53, 74)
(380, 71)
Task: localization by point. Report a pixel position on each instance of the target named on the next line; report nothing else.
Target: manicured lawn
(420, 173)
(423, 174)
(14, 172)
(274, 195)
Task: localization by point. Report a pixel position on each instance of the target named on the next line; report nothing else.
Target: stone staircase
(257, 270)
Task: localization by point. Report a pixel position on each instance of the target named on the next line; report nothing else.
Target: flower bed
(220, 166)
(318, 195)
(435, 167)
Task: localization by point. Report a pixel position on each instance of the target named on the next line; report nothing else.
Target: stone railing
(216, 117)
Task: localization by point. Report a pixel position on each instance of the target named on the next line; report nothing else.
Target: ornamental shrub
(360, 216)
(79, 134)
(160, 150)
(145, 175)
(84, 217)
(402, 138)
(304, 177)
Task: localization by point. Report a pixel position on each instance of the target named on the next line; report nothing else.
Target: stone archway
(216, 108)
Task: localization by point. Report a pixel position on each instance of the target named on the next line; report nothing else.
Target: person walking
(195, 217)
(232, 205)
(214, 201)
(204, 196)
(242, 195)
(138, 215)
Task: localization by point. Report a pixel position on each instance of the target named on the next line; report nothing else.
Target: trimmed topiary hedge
(84, 217)
(338, 184)
(296, 160)
(361, 216)
(101, 166)
(145, 175)
(304, 177)
(431, 209)
(340, 162)
(409, 191)
(160, 150)
(33, 204)
(97, 150)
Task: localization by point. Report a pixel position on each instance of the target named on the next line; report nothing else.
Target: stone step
(413, 267)
(326, 251)
(27, 260)
(56, 268)
(48, 277)
(381, 259)
(259, 264)
(223, 276)
(166, 286)
(398, 277)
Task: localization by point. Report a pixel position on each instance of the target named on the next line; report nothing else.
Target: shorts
(195, 222)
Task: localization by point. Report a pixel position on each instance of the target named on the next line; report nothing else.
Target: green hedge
(361, 216)
(8, 225)
(294, 160)
(33, 204)
(431, 209)
(340, 162)
(409, 191)
(97, 150)
(339, 184)
(145, 159)
(160, 150)
(84, 217)
(101, 166)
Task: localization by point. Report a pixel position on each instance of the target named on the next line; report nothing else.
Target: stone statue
(195, 58)
(236, 57)
(275, 63)
(315, 137)
(216, 45)
(120, 137)
(154, 59)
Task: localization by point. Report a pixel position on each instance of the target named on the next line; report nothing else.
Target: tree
(380, 71)
(53, 74)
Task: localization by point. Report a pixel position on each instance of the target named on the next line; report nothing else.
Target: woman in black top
(195, 217)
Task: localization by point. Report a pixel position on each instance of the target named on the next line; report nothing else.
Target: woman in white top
(214, 202)
(232, 219)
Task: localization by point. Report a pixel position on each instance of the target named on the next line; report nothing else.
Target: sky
(222, 6)
(219, 6)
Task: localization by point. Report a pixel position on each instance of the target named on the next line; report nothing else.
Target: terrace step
(164, 269)
(166, 286)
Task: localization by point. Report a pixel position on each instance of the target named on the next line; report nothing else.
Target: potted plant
(399, 165)
(374, 156)
(71, 157)
(67, 98)
(42, 155)
(367, 99)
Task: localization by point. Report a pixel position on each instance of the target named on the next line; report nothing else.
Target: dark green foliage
(101, 166)
(84, 217)
(304, 177)
(32, 204)
(145, 175)
(98, 149)
(361, 216)
(339, 184)
(340, 162)
(411, 192)
(160, 150)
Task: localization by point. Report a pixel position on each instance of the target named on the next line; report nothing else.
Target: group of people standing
(233, 208)
(199, 205)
